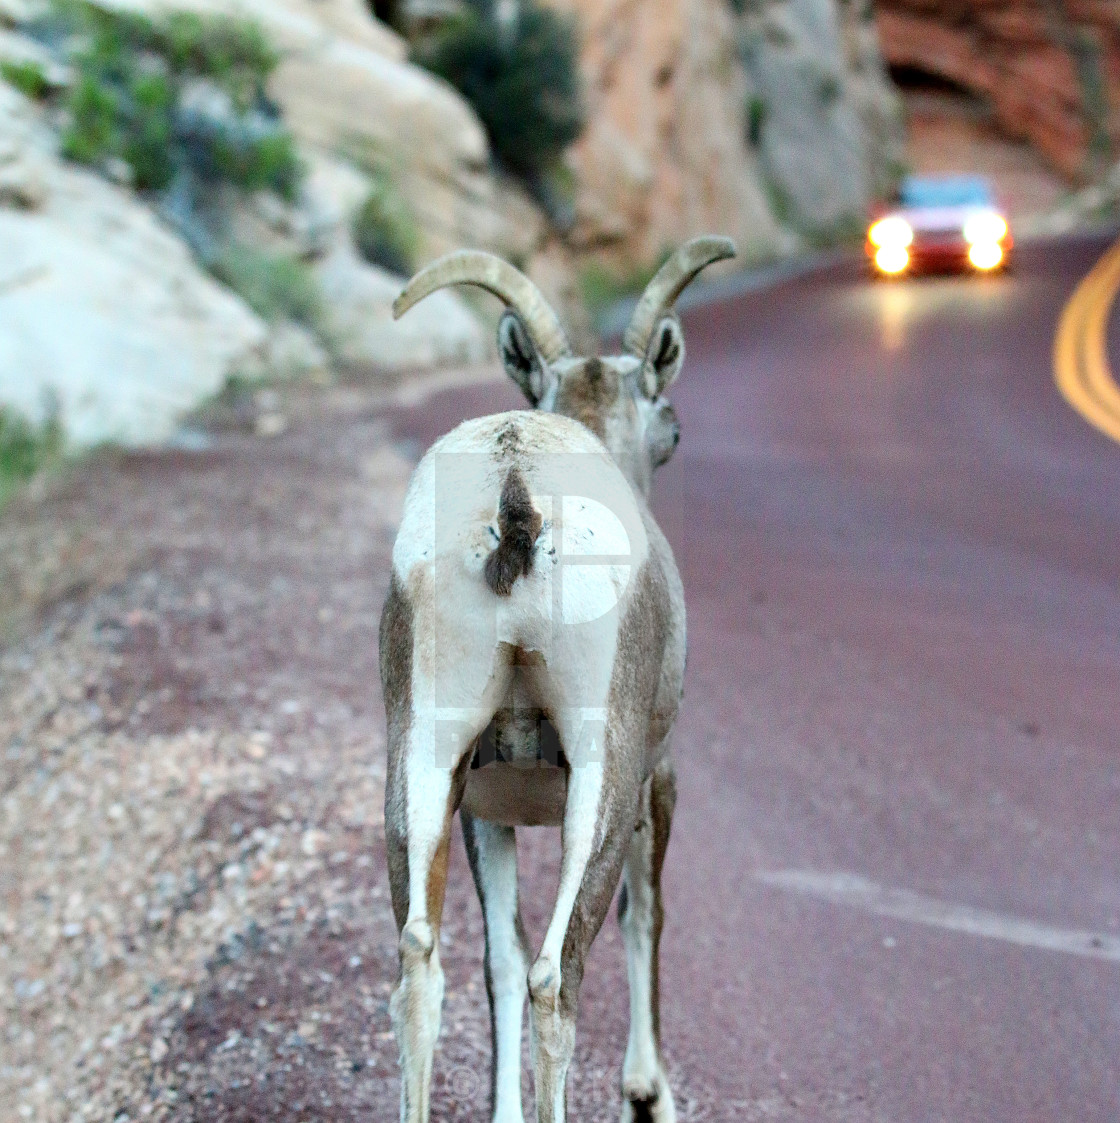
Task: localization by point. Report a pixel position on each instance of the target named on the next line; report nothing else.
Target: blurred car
(940, 223)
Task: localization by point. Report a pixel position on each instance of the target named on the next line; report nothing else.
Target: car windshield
(957, 191)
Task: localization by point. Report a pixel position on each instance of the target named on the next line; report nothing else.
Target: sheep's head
(621, 398)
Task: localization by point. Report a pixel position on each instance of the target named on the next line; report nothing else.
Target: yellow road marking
(1081, 347)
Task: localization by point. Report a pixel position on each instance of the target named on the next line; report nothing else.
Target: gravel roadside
(194, 918)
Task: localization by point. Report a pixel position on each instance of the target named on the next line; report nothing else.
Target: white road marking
(850, 889)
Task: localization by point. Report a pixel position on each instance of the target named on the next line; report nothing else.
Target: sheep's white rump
(592, 542)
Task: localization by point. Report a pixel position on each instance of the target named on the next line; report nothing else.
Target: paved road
(900, 553)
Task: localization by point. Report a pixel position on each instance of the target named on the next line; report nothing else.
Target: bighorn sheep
(532, 655)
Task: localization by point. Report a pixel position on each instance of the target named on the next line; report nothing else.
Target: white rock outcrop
(103, 308)
(828, 121)
(103, 312)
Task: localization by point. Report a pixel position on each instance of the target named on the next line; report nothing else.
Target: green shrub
(756, 119)
(254, 163)
(523, 81)
(27, 77)
(147, 146)
(127, 102)
(275, 286)
(384, 231)
(25, 449)
(233, 53)
(92, 134)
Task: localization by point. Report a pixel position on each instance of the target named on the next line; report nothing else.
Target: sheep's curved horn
(475, 267)
(668, 283)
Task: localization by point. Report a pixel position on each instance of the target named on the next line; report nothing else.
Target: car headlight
(891, 231)
(985, 255)
(985, 226)
(892, 259)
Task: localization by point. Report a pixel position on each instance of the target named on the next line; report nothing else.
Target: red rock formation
(663, 155)
(1034, 61)
(666, 152)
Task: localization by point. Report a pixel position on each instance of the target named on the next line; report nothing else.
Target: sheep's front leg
(645, 1087)
(597, 825)
(492, 851)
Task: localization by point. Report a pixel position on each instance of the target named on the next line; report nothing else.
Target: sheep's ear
(522, 360)
(664, 357)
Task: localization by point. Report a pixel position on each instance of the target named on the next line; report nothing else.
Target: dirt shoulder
(193, 905)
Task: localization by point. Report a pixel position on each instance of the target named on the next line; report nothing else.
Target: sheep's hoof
(643, 1104)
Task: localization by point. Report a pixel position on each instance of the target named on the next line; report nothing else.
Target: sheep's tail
(520, 524)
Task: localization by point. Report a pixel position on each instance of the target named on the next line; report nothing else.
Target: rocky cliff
(769, 120)
(823, 114)
(106, 316)
(1050, 69)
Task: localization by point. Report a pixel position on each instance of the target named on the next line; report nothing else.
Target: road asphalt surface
(893, 887)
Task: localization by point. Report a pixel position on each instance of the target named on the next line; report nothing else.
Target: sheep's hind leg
(421, 797)
(597, 826)
(492, 851)
(645, 1088)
